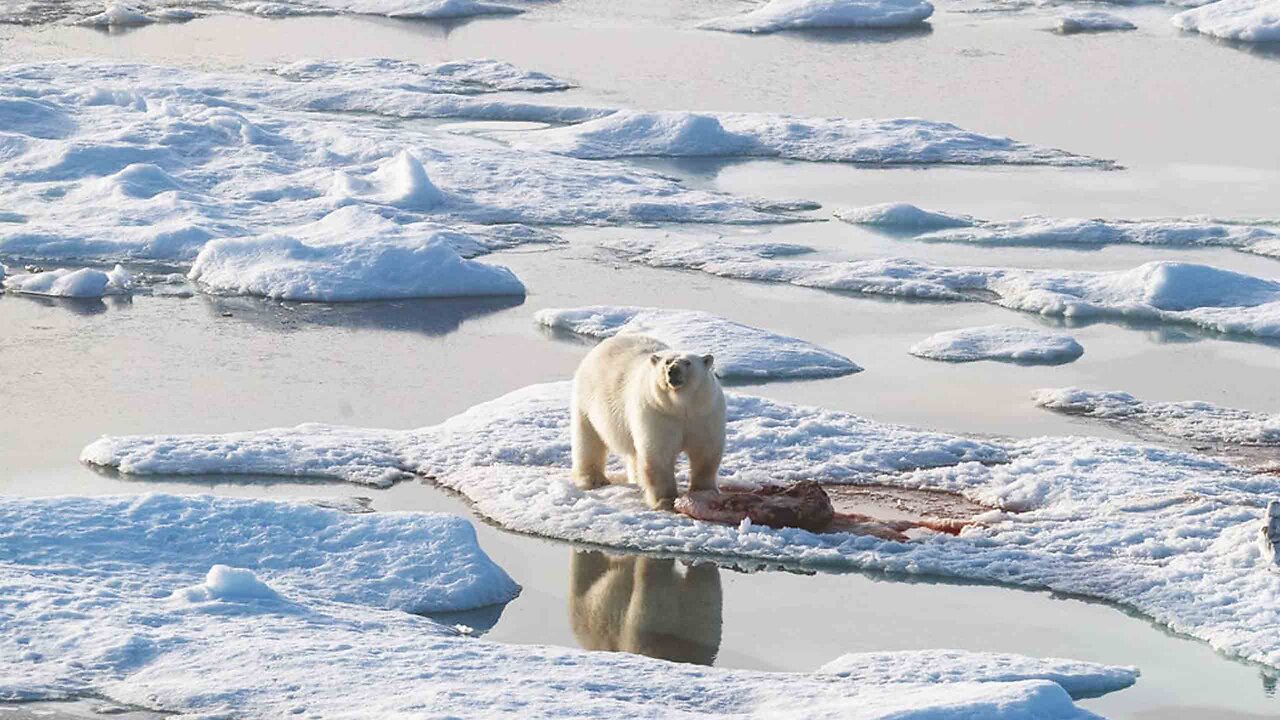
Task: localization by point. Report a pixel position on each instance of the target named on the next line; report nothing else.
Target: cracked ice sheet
(204, 606)
(1169, 534)
(1169, 292)
(116, 161)
(1195, 421)
(742, 352)
(898, 141)
(1260, 237)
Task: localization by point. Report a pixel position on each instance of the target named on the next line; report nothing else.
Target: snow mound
(1083, 21)
(902, 216)
(422, 9)
(1000, 342)
(908, 141)
(1172, 292)
(1077, 678)
(1035, 230)
(107, 597)
(64, 282)
(117, 14)
(742, 352)
(802, 14)
(228, 583)
(1169, 534)
(1243, 20)
(1199, 422)
(348, 256)
(117, 162)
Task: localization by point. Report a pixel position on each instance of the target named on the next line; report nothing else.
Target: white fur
(624, 402)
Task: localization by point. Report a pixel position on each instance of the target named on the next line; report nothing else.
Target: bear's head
(682, 373)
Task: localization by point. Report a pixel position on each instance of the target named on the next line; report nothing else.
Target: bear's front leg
(589, 454)
(658, 478)
(704, 466)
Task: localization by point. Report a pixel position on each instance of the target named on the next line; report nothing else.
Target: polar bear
(647, 403)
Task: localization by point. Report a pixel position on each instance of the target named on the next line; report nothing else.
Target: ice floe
(777, 15)
(742, 352)
(1258, 238)
(468, 77)
(1195, 421)
(1083, 21)
(117, 14)
(1170, 534)
(360, 267)
(113, 161)
(64, 282)
(1243, 20)
(215, 606)
(902, 216)
(1000, 342)
(905, 141)
(1170, 292)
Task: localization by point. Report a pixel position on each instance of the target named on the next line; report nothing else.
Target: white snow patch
(1000, 342)
(1170, 534)
(778, 15)
(1172, 292)
(742, 352)
(1243, 20)
(913, 141)
(902, 216)
(228, 583)
(64, 282)
(1082, 21)
(1195, 421)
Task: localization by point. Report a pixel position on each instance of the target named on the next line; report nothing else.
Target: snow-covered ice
(466, 77)
(1195, 421)
(1243, 20)
(350, 255)
(113, 161)
(419, 9)
(68, 283)
(1167, 533)
(1082, 21)
(742, 352)
(1172, 292)
(902, 216)
(210, 606)
(1000, 342)
(117, 14)
(898, 141)
(777, 15)
(1259, 238)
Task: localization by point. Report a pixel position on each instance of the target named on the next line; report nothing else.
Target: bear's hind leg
(589, 454)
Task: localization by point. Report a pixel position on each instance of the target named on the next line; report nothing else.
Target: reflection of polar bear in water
(648, 403)
(645, 605)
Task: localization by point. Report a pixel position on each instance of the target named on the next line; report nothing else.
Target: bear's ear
(707, 360)
(654, 359)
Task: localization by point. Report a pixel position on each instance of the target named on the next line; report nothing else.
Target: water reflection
(431, 316)
(645, 605)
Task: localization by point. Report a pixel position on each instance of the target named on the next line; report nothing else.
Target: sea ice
(742, 352)
(466, 77)
(117, 14)
(1198, 422)
(1167, 533)
(1258, 238)
(906, 141)
(1082, 21)
(1173, 292)
(778, 15)
(419, 9)
(64, 282)
(206, 606)
(1243, 20)
(1000, 342)
(116, 161)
